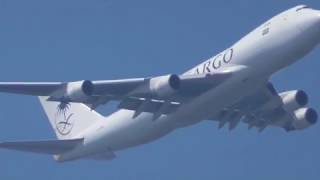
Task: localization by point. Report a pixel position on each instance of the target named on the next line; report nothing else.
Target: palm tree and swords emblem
(65, 124)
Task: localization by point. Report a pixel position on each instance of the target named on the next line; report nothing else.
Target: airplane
(231, 87)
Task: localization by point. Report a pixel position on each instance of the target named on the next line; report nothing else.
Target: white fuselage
(272, 46)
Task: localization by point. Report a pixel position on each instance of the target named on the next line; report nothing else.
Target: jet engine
(164, 86)
(78, 91)
(305, 117)
(293, 100)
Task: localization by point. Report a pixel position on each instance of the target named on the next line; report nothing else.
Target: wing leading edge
(172, 88)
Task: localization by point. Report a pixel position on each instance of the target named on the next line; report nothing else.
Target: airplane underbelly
(213, 101)
(123, 131)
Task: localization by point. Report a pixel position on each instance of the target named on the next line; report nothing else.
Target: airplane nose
(317, 17)
(318, 20)
(311, 21)
(309, 24)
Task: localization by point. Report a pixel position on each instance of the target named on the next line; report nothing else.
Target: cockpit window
(301, 8)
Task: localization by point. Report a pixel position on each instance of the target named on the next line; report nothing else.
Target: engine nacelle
(293, 100)
(164, 86)
(78, 91)
(305, 117)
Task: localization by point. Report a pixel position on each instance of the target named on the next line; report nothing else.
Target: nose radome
(312, 20)
(317, 19)
(315, 25)
(317, 14)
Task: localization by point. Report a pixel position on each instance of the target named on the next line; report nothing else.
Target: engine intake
(78, 91)
(293, 100)
(305, 117)
(164, 86)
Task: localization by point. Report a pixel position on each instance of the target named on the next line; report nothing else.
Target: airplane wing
(114, 88)
(266, 108)
(45, 147)
(156, 90)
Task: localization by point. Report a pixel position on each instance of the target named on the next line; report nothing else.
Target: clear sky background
(64, 40)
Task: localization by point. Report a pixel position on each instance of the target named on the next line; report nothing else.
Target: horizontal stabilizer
(45, 147)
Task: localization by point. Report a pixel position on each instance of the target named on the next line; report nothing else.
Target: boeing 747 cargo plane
(231, 87)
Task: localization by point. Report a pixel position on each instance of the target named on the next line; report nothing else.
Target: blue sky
(64, 40)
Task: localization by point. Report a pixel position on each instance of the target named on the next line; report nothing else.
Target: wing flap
(146, 105)
(45, 147)
(260, 109)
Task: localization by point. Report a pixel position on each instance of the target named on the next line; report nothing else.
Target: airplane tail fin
(70, 119)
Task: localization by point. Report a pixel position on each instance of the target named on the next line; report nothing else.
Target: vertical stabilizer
(69, 120)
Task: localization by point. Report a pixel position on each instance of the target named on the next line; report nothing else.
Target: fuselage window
(265, 31)
(303, 7)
